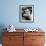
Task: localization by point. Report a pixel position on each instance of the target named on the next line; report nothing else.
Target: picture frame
(26, 13)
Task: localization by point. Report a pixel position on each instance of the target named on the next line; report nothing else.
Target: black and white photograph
(26, 13)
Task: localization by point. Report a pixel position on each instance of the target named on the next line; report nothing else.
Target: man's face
(27, 11)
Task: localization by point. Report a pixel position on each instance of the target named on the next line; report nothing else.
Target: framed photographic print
(26, 13)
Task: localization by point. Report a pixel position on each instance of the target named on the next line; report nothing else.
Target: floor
(0, 44)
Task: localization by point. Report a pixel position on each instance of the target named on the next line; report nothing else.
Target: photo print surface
(26, 13)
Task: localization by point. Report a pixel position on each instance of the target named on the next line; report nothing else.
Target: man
(26, 14)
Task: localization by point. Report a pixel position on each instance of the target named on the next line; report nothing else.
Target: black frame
(21, 9)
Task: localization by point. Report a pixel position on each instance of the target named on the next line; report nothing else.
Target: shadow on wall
(2, 26)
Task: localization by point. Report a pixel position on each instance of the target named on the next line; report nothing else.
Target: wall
(10, 13)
